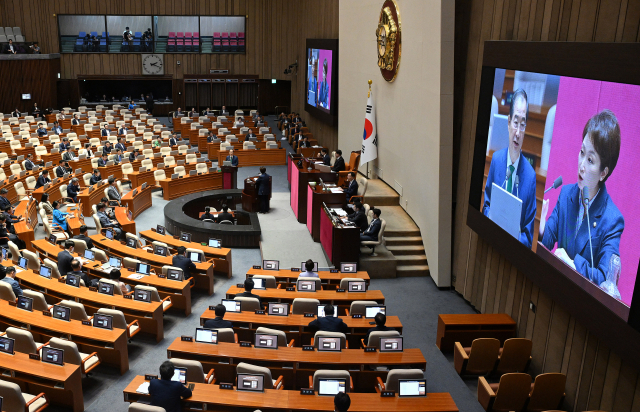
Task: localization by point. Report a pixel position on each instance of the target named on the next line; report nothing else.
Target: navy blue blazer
(168, 394)
(352, 189)
(373, 229)
(185, 264)
(218, 323)
(526, 191)
(263, 185)
(329, 324)
(605, 236)
(233, 160)
(72, 191)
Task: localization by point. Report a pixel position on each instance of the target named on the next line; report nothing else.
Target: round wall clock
(389, 40)
(152, 64)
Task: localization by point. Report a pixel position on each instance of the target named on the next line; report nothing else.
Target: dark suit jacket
(104, 132)
(225, 216)
(42, 181)
(218, 323)
(251, 135)
(352, 189)
(86, 239)
(561, 229)
(64, 262)
(95, 179)
(75, 122)
(72, 191)
(62, 146)
(234, 160)
(249, 295)
(168, 394)
(83, 276)
(173, 142)
(208, 216)
(302, 143)
(360, 220)
(28, 165)
(101, 162)
(339, 166)
(185, 264)
(264, 188)
(60, 170)
(107, 150)
(329, 324)
(132, 156)
(326, 160)
(121, 147)
(374, 229)
(4, 202)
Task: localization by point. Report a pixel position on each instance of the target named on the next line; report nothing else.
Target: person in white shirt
(239, 122)
(308, 265)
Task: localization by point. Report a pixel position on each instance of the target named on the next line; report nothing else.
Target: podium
(229, 177)
(250, 200)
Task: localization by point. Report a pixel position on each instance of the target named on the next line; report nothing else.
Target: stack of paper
(143, 388)
(135, 276)
(336, 190)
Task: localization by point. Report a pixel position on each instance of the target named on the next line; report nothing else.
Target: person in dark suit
(73, 189)
(9, 276)
(105, 130)
(173, 141)
(232, 158)
(207, 214)
(264, 189)
(183, 262)
(107, 223)
(326, 157)
(193, 112)
(304, 142)
(41, 130)
(511, 159)
(133, 155)
(149, 102)
(177, 113)
(122, 131)
(359, 218)
(248, 287)
(224, 111)
(28, 164)
(65, 257)
(374, 228)
(42, 180)
(9, 48)
(352, 186)
(120, 145)
(338, 166)
(102, 162)
(15, 113)
(225, 215)
(10, 219)
(117, 157)
(68, 155)
(566, 228)
(218, 322)
(166, 393)
(210, 137)
(95, 177)
(112, 192)
(83, 236)
(76, 270)
(56, 129)
(60, 170)
(380, 320)
(328, 323)
(75, 121)
(64, 145)
(107, 148)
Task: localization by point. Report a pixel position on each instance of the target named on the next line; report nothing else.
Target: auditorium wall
(414, 113)
(597, 378)
(276, 31)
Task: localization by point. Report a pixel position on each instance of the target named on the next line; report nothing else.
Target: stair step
(402, 240)
(412, 271)
(405, 260)
(401, 233)
(406, 250)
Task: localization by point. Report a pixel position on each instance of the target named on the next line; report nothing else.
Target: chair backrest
(248, 304)
(33, 260)
(55, 274)
(79, 246)
(148, 163)
(24, 342)
(201, 168)
(77, 309)
(12, 399)
(354, 160)
(226, 335)
(179, 170)
(256, 370)
(270, 281)
(195, 373)
(15, 168)
(116, 286)
(130, 263)
(71, 352)
(331, 374)
(143, 407)
(483, 356)
(344, 282)
(374, 337)
(316, 280)
(159, 175)
(324, 334)
(302, 305)
(548, 392)
(169, 161)
(362, 185)
(119, 320)
(358, 306)
(515, 356)
(155, 296)
(39, 302)
(395, 374)
(100, 255)
(513, 392)
(282, 336)
(6, 292)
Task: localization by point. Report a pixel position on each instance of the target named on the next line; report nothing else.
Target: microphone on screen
(556, 184)
(585, 199)
(506, 179)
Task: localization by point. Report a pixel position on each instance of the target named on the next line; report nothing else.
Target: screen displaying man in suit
(522, 178)
(263, 184)
(231, 157)
(567, 225)
(339, 165)
(324, 87)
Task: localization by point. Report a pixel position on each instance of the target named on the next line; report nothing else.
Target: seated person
(371, 234)
(83, 236)
(133, 155)
(96, 177)
(211, 137)
(73, 189)
(87, 148)
(380, 320)
(207, 214)
(9, 276)
(352, 186)
(166, 393)
(64, 145)
(28, 164)
(115, 276)
(157, 143)
(339, 165)
(173, 140)
(248, 287)
(239, 122)
(68, 156)
(183, 262)
(41, 130)
(358, 217)
(112, 191)
(65, 257)
(251, 135)
(304, 142)
(341, 402)
(5, 232)
(232, 158)
(107, 148)
(44, 201)
(225, 215)
(102, 162)
(43, 179)
(328, 323)
(75, 270)
(308, 265)
(60, 170)
(56, 129)
(60, 218)
(107, 223)
(218, 322)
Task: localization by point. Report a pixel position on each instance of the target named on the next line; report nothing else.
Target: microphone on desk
(517, 182)
(556, 184)
(585, 201)
(506, 179)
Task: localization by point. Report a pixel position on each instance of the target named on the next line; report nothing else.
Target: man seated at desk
(105, 130)
(41, 130)
(75, 121)
(211, 137)
(218, 322)
(60, 170)
(166, 393)
(56, 129)
(65, 258)
(43, 179)
(339, 165)
(95, 177)
(183, 262)
(248, 287)
(8, 219)
(326, 157)
(251, 135)
(224, 111)
(328, 323)
(83, 236)
(232, 158)
(304, 142)
(122, 131)
(121, 142)
(117, 157)
(371, 234)
(352, 186)
(207, 215)
(107, 148)
(239, 123)
(173, 141)
(102, 162)
(9, 276)
(133, 155)
(64, 145)
(4, 201)
(76, 267)
(112, 192)
(358, 217)
(381, 320)
(28, 164)
(309, 273)
(73, 189)
(107, 223)
(225, 215)
(68, 155)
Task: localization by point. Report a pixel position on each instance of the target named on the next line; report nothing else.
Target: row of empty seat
(183, 41)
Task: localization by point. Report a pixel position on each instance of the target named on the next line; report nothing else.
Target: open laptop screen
(115, 262)
(160, 230)
(195, 257)
(232, 305)
(88, 254)
(370, 312)
(45, 272)
(131, 242)
(142, 268)
(73, 280)
(23, 262)
(109, 234)
(52, 355)
(271, 264)
(204, 335)
(259, 283)
(215, 243)
(185, 237)
(180, 375)
(266, 341)
(160, 250)
(412, 387)
(357, 286)
(247, 382)
(330, 387)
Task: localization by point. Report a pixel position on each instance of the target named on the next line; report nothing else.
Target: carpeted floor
(416, 300)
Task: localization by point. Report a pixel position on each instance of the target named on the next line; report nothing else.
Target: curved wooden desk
(138, 203)
(265, 157)
(90, 196)
(288, 278)
(122, 217)
(53, 190)
(111, 345)
(294, 364)
(174, 188)
(25, 228)
(284, 400)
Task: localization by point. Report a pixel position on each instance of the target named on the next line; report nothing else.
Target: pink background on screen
(578, 101)
(324, 54)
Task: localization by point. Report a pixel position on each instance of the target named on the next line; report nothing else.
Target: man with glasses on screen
(511, 170)
(218, 322)
(324, 87)
(166, 393)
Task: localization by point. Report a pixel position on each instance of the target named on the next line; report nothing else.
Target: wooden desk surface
(175, 188)
(322, 295)
(323, 274)
(122, 216)
(292, 400)
(138, 203)
(90, 196)
(24, 229)
(266, 157)
(464, 328)
(477, 319)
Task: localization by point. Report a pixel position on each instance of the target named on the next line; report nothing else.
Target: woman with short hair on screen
(567, 225)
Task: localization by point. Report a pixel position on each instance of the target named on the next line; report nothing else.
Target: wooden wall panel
(38, 77)
(276, 31)
(597, 378)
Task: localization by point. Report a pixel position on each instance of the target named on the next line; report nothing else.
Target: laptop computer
(25, 303)
(108, 234)
(393, 344)
(105, 288)
(304, 269)
(61, 312)
(204, 335)
(348, 267)
(159, 250)
(278, 309)
(131, 242)
(103, 321)
(143, 268)
(113, 263)
(5, 253)
(412, 387)
(89, 254)
(45, 272)
(259, 283)
(251, 383)
(195, 256)
(142, 296)
(266, 341)
(23, 263)
(330, 387)
(215, 243)
(370, 312)
(6, 345)
(175, 274)
(72, 280)
(329, 344)
(232, 305)
(357, 286)
(180, 375)
(320, 311)
(306, 285)
(271, 264)
(505, 210)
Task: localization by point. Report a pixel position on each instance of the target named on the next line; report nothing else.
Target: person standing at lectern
(512, 171)
(264, 190)
(232, 158)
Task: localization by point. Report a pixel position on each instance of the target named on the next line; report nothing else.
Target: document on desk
(336, 190)
(143, 388)
(135, 276)
(339, 212)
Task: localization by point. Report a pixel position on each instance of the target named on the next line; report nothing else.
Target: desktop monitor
(266, 341)
(105, 288)
(329, 344)
(271, 264)
(142, 268)
(331, 387)
(159, 250)
(142, 295)
(115, 262)
(195, 256)
(204, 335)
(180, 375)
(53, 239)
(259, 283)
(232, 305)
(215, 243)
(306, 285)
(370, 312)
(357, 286)
(23, 263)
(6, 345)
(161, 230)
(103, 321)
(109, 234)
(304, 269)
(61, 312)
(393, 344)
(131, 242)
(252, 383)
(25, 303)
(175, 274)
(45, 271)
(278, 309)
(320, 311)
(412, 387)
(185, 237)
(348, 267)
(73, 280)
(89, 254)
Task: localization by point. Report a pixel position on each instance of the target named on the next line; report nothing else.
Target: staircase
(407, 248)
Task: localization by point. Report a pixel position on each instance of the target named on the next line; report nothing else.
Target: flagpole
(368, 96)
